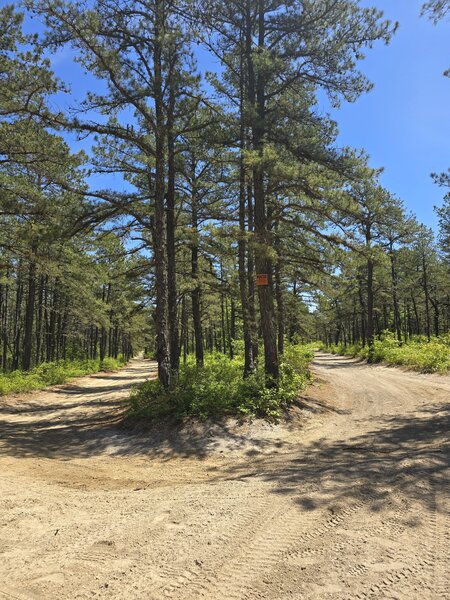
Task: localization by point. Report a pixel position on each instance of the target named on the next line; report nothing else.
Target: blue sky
(403, 123)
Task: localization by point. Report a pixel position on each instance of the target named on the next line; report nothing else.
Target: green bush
(418, 354)
(348, 349)
(111, 364)
(218, 388)
(53, 373)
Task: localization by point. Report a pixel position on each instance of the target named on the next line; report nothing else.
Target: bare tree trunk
(170, 229)
(370, 322)
(184, 329)
(263, 238)
(279, 298)
(159, 237)
(231, 326)
(222, 322)
(363, 314)
(17, 316)
(5, 308)
(39, 322)
(416, 313)
(427, 297)
(249, 363)
(253, 327)
(435, 304)
(397, 318)
(29, 318)
(196, 291)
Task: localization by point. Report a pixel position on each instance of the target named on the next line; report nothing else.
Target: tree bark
(159, 233)
(263, 261)
(370, 303)
(17, 316)
(39, 322)
(29, 318)
(196, 293)
(170, 229)
(279, 298)
(5, 308)
(397, 318)
(427, 297)
(249, 363)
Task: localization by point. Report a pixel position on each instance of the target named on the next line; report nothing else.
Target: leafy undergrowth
(419, 354)
(54, 373)
(218, 389)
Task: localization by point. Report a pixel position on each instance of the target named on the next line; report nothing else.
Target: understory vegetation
(418, 353)
(217, 388)
(54, 373)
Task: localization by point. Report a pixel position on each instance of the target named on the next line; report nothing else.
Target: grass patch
(418, 354)
(218, 389)
(53, 373)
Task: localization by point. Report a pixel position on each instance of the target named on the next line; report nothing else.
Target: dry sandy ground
(349, 499)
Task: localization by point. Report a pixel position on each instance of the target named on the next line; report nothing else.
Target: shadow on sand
(408, 452)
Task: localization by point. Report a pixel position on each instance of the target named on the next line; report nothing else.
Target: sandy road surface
(347, 500)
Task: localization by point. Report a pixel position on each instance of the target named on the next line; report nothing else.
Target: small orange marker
(262, 279)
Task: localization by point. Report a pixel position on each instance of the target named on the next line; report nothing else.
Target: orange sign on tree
(262, 279)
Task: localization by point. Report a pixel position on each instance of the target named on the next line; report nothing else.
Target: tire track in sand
(272, 543)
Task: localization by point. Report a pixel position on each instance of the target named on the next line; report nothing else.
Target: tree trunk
(416, 313)
(39, 322)
(363, 316)
(427, 297)
(29, 318)
(17, 316)
(370, 334)
(232, 327)
(251, 98)
(435, 305)
(280, 309)
(249, 363)
(184, 329)
(253, 326)
(397, 318)
(170, 229)
(196, 290)
(263, 261)
(222, 322)
(159, 237)
(5, 308)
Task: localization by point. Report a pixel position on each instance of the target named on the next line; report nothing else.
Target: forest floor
(348, 498)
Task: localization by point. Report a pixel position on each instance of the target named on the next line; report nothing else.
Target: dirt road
(349, 499)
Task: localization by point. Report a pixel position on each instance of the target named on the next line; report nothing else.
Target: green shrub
(418, 354)
(345, 349)
(111, 364)
(53, 373)
(218, 388)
